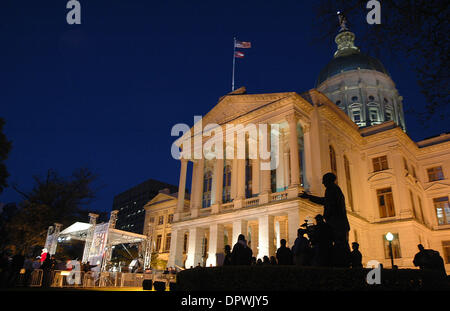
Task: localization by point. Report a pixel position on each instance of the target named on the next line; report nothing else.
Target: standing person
(356, 256)
(227, 258)
(241, 254)
(322, 240)
(429, 259)
(284, 254)
(301, 249)
(16, 265)
(335, 215)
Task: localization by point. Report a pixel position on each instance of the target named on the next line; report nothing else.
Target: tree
(52, 199)
(5, 148)
(417, 30)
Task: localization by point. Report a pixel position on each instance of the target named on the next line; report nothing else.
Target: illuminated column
(195, 247)
(308, 157)
(293, 146)
(199, 187)
(265, 236)
(218, 181)
(240, 194)
(286, 168)
(266, 188)
(280, 169)
(215, 244)
(239, 227)
(176, 248)
(293, 225)
(255, 176)
(181, 189)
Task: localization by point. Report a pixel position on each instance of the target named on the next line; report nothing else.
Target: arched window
(354, 99)
(333, 161)
(338, 102)
(349, 182)
(371, 98)
(373, 114)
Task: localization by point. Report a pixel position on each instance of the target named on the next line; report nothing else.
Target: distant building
(130, 204)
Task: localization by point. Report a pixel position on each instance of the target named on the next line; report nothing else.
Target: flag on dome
(243, 44)
(238, 54)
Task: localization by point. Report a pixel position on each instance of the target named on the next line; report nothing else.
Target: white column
(266, 236)
(239, 227)
(181, 188)
(266, 188)
(176, 248)
(195, 247)
(198, 196)
(218, 181)
(240, 193)
(308, 157)
(293, 226)
(286, 168)
(255, 176)
(293, 147)
(193, 184)
(280, 169)
(215, 244)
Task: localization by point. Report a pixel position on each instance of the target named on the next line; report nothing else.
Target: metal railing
(64, 278)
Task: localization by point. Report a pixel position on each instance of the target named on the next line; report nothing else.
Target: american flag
(243, 45)
(238, 54)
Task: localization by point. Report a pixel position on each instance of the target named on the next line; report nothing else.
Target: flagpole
(234, 62)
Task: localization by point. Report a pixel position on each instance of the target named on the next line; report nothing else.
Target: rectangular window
(446, 248)
(442, 208)
(158, 242)
(385, 202)
(185, 243)
(167, 245)
(395, 247)
(373, 113)
(170, 219)
(356, 115)
(435, 173)
(161, 220)
(380, 163)
(152, 220)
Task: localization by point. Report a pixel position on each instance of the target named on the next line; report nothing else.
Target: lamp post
(390, 237)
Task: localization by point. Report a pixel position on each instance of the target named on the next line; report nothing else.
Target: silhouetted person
(87, 267)
(241, 254)
(356, 256)
(48, 266)
(335, 215)
(301, 249)
(253, 261)
(16, 265)
(429, 259)
(259, 262)
(284, 254)
(266, 260)
(227, 258)
(322, 243)
(273, 261)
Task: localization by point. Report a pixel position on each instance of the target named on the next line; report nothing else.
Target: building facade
(391, 183)
(130, 204)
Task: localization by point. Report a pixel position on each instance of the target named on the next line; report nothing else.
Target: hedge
(293, 278)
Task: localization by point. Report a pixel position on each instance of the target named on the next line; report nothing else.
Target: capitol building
(352, 124)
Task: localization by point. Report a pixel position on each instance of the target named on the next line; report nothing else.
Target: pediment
(161, 197)
(380, 176)
(437, 186)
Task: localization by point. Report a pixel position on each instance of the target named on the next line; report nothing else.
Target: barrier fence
(64, 278)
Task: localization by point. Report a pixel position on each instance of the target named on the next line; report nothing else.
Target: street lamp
(390, 237)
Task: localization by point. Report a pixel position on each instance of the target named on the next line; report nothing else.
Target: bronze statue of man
(335, 215)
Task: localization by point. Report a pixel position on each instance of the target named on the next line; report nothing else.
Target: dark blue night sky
(105, 94)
